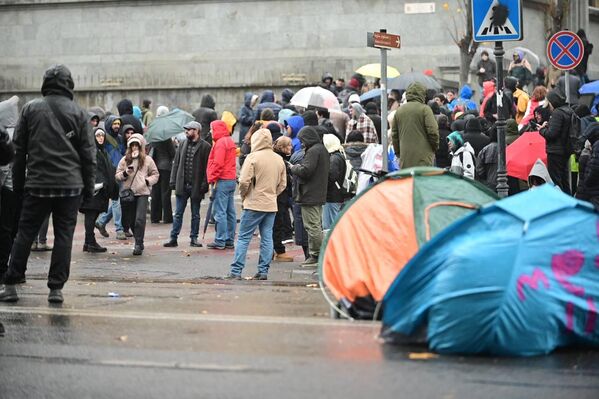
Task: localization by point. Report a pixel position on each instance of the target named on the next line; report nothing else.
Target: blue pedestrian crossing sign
(497, 20)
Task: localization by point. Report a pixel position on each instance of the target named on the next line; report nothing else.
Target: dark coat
(557, 132)
(246, 116)
(313, 171)
(125, 108)
(337, 171)
(283, 199)
(478, 140)
(105, 172)
(206, 115)
(42, 148)
(486, 166)
(588, 188)
(376, 121)
(267, 100)
(163, 154)
(199, 186)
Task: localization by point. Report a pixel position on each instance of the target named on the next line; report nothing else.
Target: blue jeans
(330, 210)
(223, 210)
(249, 221)
(181, 203)
(114, 208)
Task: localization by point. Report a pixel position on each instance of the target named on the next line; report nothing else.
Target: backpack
(350, 181)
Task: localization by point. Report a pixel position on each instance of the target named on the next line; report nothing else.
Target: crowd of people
(294, 168)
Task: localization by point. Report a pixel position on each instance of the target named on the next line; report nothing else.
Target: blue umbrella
(369, 95)
(520, 277)
(593, 89)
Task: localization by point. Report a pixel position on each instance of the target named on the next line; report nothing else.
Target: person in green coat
(415, 133)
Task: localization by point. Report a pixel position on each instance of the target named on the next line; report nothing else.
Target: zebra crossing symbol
(497, 20)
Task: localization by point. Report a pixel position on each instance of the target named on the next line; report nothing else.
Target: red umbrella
(522, 154)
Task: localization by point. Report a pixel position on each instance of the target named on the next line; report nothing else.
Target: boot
(102, 229)
(55, 296)
(194, 243)
(138, 250)
(171, 243)
(93, 247)
(9, 294)
(282, 257)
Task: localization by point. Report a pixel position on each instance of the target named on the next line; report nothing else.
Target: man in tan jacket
(263, 177)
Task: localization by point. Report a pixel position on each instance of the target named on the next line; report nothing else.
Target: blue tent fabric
(520, 277)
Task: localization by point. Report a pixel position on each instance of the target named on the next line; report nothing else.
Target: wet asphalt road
(162, 326)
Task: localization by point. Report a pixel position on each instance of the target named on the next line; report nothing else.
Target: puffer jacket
(313, 170)
(263, 176)
(147, 174)
(52, 157)
(557, 132)
(222, 159)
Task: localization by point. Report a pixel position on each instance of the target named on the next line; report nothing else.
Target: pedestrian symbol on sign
(496, 20)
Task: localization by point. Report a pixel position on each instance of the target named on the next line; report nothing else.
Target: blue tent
(520, 277)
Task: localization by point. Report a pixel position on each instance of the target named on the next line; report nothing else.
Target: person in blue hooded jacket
(464, 99)
(294, 125)
(267, 100)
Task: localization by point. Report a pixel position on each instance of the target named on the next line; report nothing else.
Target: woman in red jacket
(222, 173)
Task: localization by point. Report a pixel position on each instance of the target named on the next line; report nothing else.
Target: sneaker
(128, 234)
(232, 276)
(9, 294)
(282, 258)
(34, 246)
(120, 235)
(55, 296)
(287, 241)
(260, 276)
(94, 247)
(194, 243)
(311, 261)
(214, 245)
(171, 244)
(102, 229)
(137, 250)
(230, 245)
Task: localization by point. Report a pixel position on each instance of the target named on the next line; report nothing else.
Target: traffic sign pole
(502, 186)
(384, 138)
(567, 87)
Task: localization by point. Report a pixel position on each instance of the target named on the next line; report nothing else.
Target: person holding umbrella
(188, 179)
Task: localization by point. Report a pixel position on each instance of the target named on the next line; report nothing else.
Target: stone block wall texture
(174, 51)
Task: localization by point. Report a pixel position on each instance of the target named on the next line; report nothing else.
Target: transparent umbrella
(532, 57)
(316, 97)
(477, 56)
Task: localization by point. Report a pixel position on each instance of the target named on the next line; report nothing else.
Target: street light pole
(502, 186)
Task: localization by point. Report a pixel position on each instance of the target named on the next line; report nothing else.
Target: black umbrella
(209, 212)
(406, 79)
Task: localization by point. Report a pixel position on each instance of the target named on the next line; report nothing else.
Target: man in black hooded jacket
(125, 108)
(54, 166)
(311, 193)
(206, 115)
(557, 137)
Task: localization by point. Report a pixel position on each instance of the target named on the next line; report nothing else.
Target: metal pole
(502, 186)
(567, 87)
(384, 139)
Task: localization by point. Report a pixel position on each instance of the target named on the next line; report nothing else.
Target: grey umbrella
(406, 79)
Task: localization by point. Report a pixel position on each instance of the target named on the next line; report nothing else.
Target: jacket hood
(466, 92)
(297, 123)
(98, 111)
(285, 114)
(511, 127)
(219, 130)
(137, 112)
(286, 95)
(108, 125)
(261, 140)
(331, 143)
(137, 138)
(309, 136)
(488, 87)
(465, 148)
(416, 92)
(540, 170)
(247, 99)
(58, 81)
(511, 83)
(555, 99)
(473, 126)
(127, 127)
(208, 101)
(267, 97)
(125, 107)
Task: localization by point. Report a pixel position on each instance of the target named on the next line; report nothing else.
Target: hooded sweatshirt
(143, 176)
(313, 170)
(540, 170)
(296, 123)
(415, 133)
(222, 159)
(50, 157)
(556, 133)
(263, 175)
(125, 108)
(464, 99)
(205, 115)
(246, 115)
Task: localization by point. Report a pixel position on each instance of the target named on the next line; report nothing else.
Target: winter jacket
(125, 108)
(263, 176)
(414, 130)
(464, 100)
(490, 109)
(486, 166)
(163, 154)
(337, 171)
(463, 162)
(588, 189)
(222, 160)
(473, 135)
(488, 92)
(113, 144)
(245, 116)
(199, 185)
(147, 175)
(296, 123)
(284, 199)
(575, 84)
(488, 74)
(511, 131)
(313, 171)
(49, 156)
(205, 115)
(353, 153)
(104, 174)
(557, 132)
(267, 100)
(521, 101)
(376, 121)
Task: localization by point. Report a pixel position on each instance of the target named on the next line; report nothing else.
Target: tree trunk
(465, 60)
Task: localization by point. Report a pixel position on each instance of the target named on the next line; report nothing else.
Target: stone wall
(174, 51)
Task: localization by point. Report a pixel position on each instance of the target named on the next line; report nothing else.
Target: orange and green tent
(381, 229)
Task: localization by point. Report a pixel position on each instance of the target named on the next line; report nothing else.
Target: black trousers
(162, 208)
(134, 216)
(280, 229)
(64, 219)
(9, 221)
(557, 165)
(90, 223)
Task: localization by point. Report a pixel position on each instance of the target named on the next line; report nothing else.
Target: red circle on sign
(554, 40)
